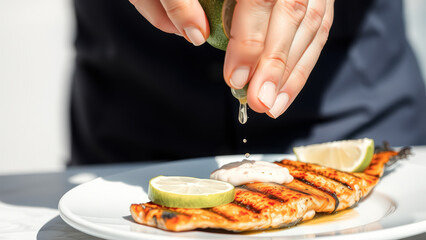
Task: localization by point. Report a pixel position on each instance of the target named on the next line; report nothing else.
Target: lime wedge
(346, 155)
(189, 192)
(219, 14)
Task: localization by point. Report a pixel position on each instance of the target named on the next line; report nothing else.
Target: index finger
(189, 18)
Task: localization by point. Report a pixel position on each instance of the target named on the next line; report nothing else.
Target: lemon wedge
(345, 155)
(189, 192)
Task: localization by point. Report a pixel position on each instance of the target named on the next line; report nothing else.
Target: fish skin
(260, 206)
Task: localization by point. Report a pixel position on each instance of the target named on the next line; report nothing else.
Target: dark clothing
(139, 93)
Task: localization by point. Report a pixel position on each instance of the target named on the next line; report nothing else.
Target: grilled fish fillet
(259, 206)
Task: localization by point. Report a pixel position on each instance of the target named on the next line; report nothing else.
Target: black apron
(141, 94)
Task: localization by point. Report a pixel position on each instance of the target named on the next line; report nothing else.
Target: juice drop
(244, 140)
(241, 95)
(247, 155)
(242, 113)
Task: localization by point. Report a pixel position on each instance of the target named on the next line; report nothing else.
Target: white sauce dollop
(248, 171)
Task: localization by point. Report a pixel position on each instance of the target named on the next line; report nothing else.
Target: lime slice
(219, 14)
(346, 155)
(189, 192)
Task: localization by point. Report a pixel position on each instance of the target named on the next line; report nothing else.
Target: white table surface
(28, 202)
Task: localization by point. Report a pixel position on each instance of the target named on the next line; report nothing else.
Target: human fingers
(249, 26)
(268, 77)
(189, 19)
(306, 33)
(153, 11)
(304, 66)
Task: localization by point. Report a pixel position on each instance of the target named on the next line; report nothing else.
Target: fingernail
(239, 77)
(267, 94)
(195, 36)
(278, 108)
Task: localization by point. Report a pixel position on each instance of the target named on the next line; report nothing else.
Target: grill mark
(332, 194)
(166, 212)
(299, 191)
(166, 215)
(296, 190)
(343, 183)
(373, 175)
(155, 220)
(337, 180)
(270, 196)
(246, 206)
(222, 215)
(354, 176)
(317, 173)
(290, 162)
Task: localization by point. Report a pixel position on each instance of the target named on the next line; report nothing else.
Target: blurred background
(36, 57)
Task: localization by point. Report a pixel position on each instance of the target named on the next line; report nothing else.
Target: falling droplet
(244, 140)
(247, 155)
(242, 113)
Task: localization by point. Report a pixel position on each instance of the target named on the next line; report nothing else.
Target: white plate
(395, 209)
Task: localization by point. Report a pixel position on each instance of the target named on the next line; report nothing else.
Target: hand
(274, 46)
(182, 17)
